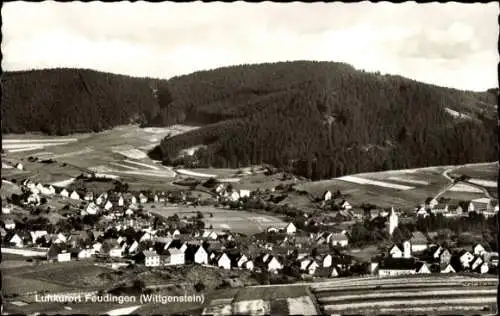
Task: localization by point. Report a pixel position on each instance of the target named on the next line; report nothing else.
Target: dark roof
(398, 264)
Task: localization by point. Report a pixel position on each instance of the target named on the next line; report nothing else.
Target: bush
(199, 286)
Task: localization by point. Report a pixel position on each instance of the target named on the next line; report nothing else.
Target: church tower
(393, 221)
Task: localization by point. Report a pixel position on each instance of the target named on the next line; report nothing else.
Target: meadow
(224, 219)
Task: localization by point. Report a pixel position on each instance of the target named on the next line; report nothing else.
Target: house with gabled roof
(196, 254)
(249, 265)
(326, 272)
(465, 258)
(419, 242)
(175, 257)
(397, 266)
(448, 268)
(58, 253)
(476, 263)
(327, 195)
(422, 268)
(74, 196)
(339, 239)
(9, 224)
(14, 239)
(108, 205)
(64, 193)
(478, 250)
(483, 268)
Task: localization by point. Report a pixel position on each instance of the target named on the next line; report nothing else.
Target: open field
(486, 171)
(118, 150)
(462, 187)
(261, 300)
(382, 188)
(484, 183)
(359, 180)
(400, 294)
(234, 220)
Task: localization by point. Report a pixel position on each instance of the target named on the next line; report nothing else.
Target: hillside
(318, 119)
(326, 119)
(63, 101)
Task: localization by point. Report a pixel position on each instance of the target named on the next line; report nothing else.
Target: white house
(244, 193)
(16, 241)
(84, 254)
(291, 229)
(339, 239)
(97, 247)
(9, 224)
(115, 252)
(133, 200)
(19, 166)
(273, 265)
(89, 196)
(311, 268)
(201, 256)
(395, 252)
(108, 205)
(327, 261)
(327, 196)
(224, 262)
(241, 261)
(448, 269)
(478, 250)
(6, 209)
(64, 256)
(418, 242)
(346, 206)
(151, 258)
(133, 247)
(92, 208)
(249, 265)
(234, 196)
(466, 259)
(120, 201)
(129, 212)
(476, 263)
(143, 199)
(37, 234)
(74, 196)
(209, 234)
(484, 268)
(422, 212)
(422, 268)
(176, 256)
(64, 193)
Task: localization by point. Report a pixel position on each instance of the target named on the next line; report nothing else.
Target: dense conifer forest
(317, 119)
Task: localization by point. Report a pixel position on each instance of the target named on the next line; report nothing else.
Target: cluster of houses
(484, 206)
(418, 256)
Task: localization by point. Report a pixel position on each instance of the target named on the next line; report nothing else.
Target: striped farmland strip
(406, 294)
(439, 301)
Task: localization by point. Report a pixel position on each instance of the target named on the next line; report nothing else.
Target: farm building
(400, 266)
(19, 166)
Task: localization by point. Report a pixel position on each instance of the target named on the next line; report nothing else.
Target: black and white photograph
(237, 158)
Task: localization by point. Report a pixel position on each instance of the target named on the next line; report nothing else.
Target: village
(119, 229)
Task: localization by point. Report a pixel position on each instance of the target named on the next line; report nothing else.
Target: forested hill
(319, 119)
(62, 101)
(324, 119)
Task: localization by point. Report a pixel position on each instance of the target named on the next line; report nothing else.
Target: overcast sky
(448, 44)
